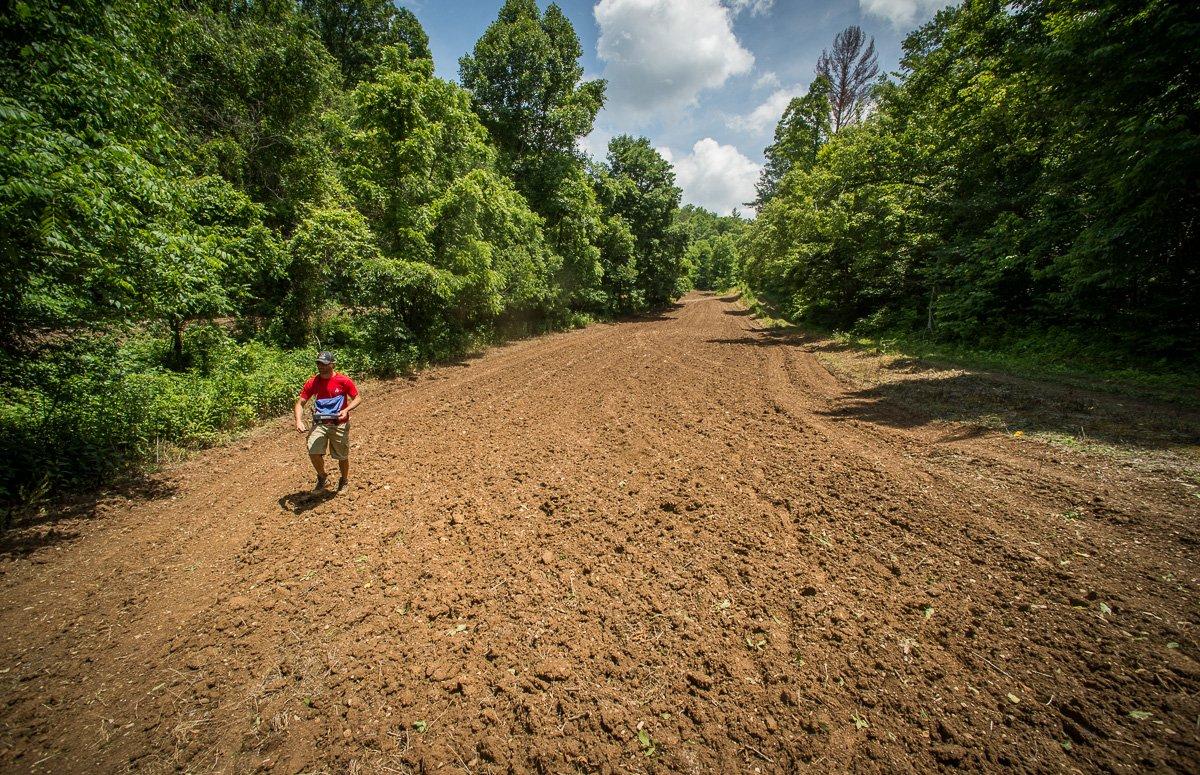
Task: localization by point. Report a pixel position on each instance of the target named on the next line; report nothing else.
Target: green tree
(86, 165)
(251, 83)
(573, 223)
(355, 32)
(1119, 200)
(420, 167)
(526, 81)
(525, 76)
(484, 233)
(618, 256)
(639, 186)
(1002, 187)
(715, 261)
(800, 133)
(324, 256)
(410, 137)
(712, 253)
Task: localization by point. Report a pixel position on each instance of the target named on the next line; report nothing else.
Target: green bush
(93, 409)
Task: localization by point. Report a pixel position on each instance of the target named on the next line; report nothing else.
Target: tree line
(195, 196)
(1029, 174)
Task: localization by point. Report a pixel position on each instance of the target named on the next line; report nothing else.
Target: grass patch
(765, 310)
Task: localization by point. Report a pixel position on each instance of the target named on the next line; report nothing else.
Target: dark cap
(325, 357)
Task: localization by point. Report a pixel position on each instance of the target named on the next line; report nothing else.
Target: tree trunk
(177, 344)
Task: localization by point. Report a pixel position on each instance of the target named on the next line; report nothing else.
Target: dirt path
(670, 545)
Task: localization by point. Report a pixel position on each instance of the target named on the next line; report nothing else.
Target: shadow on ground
(461, 361)
(663, 313)
(985, 401)
(912, 393)
(40, 525)
(305, 500)
(781, 337)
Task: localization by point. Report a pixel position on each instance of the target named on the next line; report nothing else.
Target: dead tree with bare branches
(850, 68)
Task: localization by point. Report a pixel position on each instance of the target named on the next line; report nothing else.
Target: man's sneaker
(343, 483)
(320, 483)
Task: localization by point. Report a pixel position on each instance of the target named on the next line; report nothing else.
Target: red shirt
(330, 393)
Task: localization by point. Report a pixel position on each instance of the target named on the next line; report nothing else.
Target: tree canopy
(183, 180)
(355, 32)
(526, 80)
(1031, 168)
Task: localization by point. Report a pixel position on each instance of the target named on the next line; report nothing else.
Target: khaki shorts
(328, 435)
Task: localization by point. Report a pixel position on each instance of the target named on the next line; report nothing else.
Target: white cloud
(903, 13)
(767, 80)
(660, 54)
(715, 176)
(595, 144)
(755, 7)
(767, 115)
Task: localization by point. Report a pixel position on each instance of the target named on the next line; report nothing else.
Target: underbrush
(767, 311)
(96, 408)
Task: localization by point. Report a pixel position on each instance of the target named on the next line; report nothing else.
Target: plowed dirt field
(672, 544)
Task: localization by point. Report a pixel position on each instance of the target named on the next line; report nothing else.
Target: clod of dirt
(612, 722)
(548, 557)
(491, 749)
(553, 669)
(948, 731)
(949, 754)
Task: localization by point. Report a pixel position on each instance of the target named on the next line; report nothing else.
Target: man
(331, 418)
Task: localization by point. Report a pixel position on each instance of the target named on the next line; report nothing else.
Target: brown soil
(675, 544)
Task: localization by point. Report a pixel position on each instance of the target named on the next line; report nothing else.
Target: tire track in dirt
(660, 526)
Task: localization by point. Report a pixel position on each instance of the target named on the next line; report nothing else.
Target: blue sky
(705, 80)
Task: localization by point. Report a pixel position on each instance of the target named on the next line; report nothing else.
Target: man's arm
(299, 412)
(344, 415)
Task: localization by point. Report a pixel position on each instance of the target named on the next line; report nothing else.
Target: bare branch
(850, 68)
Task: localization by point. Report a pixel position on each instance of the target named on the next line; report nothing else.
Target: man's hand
(344, 415)
(300, 427)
